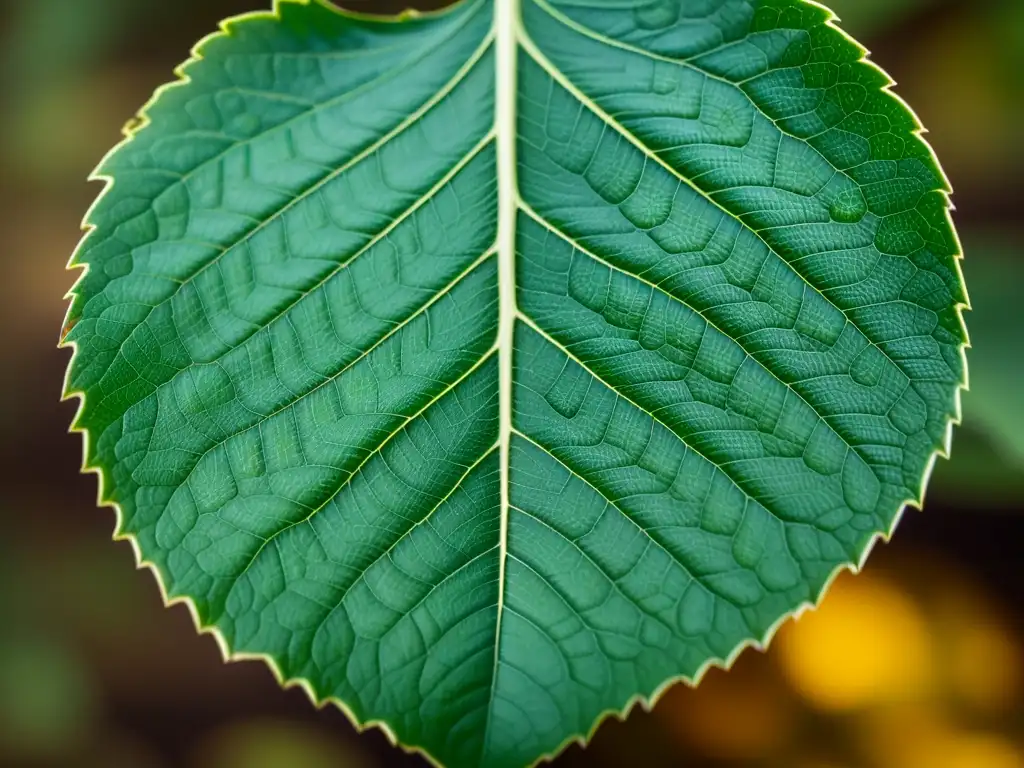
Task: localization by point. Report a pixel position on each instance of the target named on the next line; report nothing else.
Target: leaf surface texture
(488, 370)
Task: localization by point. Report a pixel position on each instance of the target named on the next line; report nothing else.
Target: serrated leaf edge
(646, 702)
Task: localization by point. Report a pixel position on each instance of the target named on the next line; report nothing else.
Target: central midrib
(506, 27)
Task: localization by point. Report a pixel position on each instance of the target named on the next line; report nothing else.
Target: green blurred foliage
(864, 17)
(995, 402)
(46, 699)
(272, 744)
(988, 449)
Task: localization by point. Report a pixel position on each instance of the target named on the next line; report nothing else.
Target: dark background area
(917, 663)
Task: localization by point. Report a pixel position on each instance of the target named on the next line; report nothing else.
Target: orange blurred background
(916, 663)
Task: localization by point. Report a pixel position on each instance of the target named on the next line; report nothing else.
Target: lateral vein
(541, 59)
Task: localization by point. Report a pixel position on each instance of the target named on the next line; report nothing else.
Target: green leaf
(487, 371)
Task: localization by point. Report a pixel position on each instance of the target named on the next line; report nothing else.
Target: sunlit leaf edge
(646, 702)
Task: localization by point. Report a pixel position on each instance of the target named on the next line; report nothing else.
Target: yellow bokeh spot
(868, 643)
(985, 667)
(913, 736)
(981, 656)
(972, 751)
(737, 717)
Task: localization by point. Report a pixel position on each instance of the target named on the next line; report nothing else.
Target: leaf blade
(612, 410)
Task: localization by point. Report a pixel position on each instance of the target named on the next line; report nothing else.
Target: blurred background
(917, 663)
